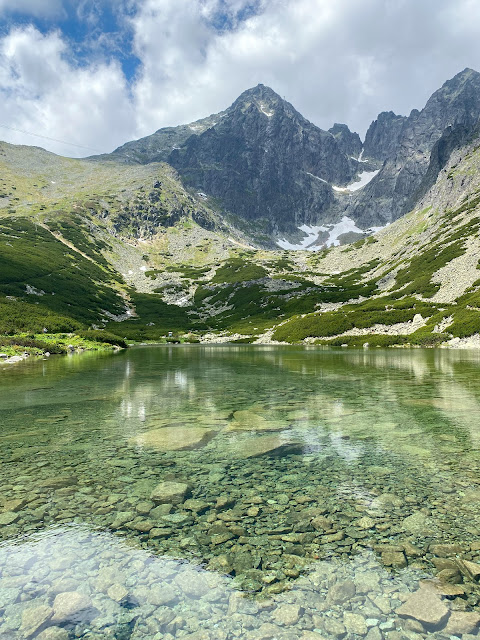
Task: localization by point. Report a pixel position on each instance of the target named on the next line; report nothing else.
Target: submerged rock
(170, 492)
(33, 619)
(287, 614)
(426, 607)
(53, 633)
(69, 605)
(263, 445)
(174, 438)
(461, 622)
(8, 518)
(248, 420)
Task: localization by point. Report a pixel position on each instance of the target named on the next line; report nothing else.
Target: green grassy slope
(128, 250)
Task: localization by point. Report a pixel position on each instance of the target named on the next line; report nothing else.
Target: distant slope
(415, 282)
(105, 244)
(71, 235)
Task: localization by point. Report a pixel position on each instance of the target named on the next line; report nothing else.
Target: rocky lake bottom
(222, 492)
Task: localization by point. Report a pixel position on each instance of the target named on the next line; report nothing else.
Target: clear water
(319, 490)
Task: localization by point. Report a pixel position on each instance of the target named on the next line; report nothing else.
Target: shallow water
(240, 492)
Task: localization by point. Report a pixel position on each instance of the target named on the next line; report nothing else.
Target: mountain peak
(261, 92)
(461, 81)
(266, 100)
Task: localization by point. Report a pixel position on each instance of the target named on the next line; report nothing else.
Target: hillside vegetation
(130, 252)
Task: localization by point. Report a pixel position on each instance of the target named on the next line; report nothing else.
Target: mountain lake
(221, 492)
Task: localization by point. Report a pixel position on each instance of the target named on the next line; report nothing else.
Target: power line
(37, 135)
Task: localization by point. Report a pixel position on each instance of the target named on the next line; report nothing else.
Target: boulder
(248, 420)
(355, 623)
(341, 592)
(394, 559)
(8, 518)
(58, 482)
(287, 614)
(416, 523)
(469, 569)
(193, 584)
(33, 619)
(445, 550)
(117, 592)
(461, 622)
(263, 445)
(161, 594)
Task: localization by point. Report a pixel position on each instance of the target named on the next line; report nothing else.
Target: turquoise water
(240, 492)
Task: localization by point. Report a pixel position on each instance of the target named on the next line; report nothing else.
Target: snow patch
(312, 236)
(346, 225)
(264, 109)
(364, 178)
(316, 177)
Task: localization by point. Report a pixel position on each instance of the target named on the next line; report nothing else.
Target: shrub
(97, 335)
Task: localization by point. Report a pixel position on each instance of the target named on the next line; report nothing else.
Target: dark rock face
(260, 158)
(382, 136)
(390, 194)
(265, 163)
(452, 138)
(348, 141)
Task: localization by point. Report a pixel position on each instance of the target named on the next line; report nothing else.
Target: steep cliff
(406, 145)
(348, 141)
(260, 159)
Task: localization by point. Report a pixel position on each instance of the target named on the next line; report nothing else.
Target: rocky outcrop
(390, 194)
(348, 141)
(381, 140)
(452, 139)
(260, 159)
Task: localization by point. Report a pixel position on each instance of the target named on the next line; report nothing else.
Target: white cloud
(44, 93)
(342, 61)
(38, 8)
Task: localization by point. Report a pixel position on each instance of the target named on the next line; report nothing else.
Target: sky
(89, 75)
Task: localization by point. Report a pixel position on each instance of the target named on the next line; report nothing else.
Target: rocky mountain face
(405, 145)
(263, 162)
(348, 141)
(124, 246)
(261, 159)
(382, 137)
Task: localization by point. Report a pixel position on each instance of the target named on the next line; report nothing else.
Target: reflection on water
(342, 487)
